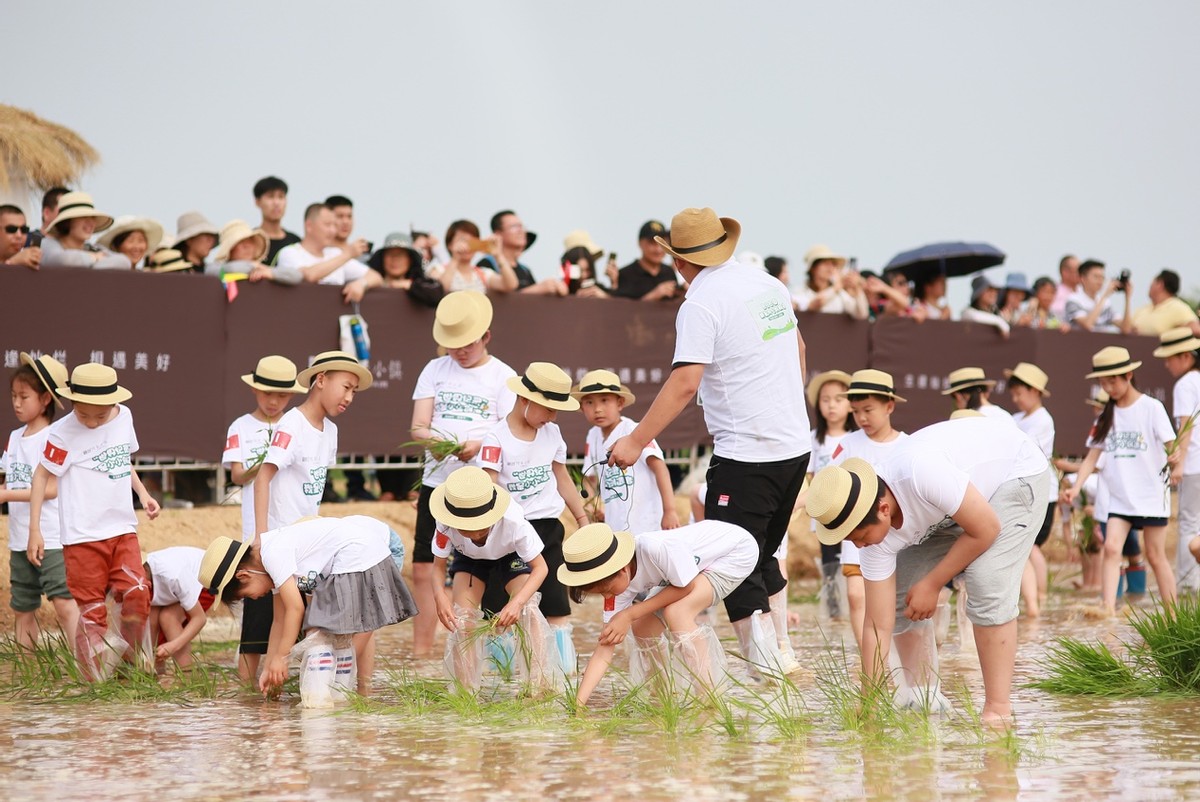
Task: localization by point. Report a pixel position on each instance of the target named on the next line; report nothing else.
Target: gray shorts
(994, 578)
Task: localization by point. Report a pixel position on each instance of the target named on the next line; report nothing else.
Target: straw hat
(839, 497)
(335, 360)
(965, 379)
(93, 383)
(547, 385)
(1112, 361)
(468, 499)
(220, 563)
(819, 253)
(1031, 374)
(191, 224)
(1098, 401)
(700, 237)
(966, 413)
(821, 379)
(592, 553)
(236, 231)
(581, 239)
(751, 259)
(167, 260)
(126, 223)
(403, 241)
(79, 204)
(1176, 341)
(462, 318)
(51, 373)
(872, 382)
(595, 382)
(274, 374)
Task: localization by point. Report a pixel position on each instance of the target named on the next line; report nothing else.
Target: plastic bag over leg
(464, 658)
(537, 658)
(345, 670)
(501, 653)
(918, 684)
(649, 658)
(832, 604)
(787, 655)
(565, 644)
(131, 613)
(317, 669)
(98, 642)
(966, 630)
(698, 662)
(760, 647)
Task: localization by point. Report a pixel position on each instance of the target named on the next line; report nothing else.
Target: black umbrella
(947, 259)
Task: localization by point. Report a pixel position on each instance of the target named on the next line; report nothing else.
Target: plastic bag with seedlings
(919, 687)
(649, 659)
(124, 639)
(317, 669)
(464, 658)
(698, 665)
(537, 660)
(966, 630)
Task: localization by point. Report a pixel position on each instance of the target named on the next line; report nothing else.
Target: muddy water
(1067, 748)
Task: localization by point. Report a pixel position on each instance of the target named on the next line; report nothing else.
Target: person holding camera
(1090, 306)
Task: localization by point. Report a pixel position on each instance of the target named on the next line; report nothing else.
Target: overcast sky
(1043, 128)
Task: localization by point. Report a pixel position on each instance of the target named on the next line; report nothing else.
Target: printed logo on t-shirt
(281, 440)
(528, 481)
(308, 584)
(618, 484)
(317, 486)
(945, 523)
(55, 454)
(517, 564)
(491, 454)
(20, 475)
(461, 406)
(232, 442)
(1125, 441)
(836, 451)
(114, 461)
(770, 314)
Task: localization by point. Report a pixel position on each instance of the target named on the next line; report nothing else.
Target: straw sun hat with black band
(50, 372)
(700, 237)
(839, 498)
(546, 385)
(335, 360)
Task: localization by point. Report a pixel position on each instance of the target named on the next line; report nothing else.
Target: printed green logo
(771, 315)
(317, 486)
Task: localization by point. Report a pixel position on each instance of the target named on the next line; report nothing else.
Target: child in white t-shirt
(969, 389)
(678, 574)
(458, 396)
(246, 443)
(343, 565)
(1180, 351)
(638, 498)
(1133, 431)
(90, 452)
(178, 603)
(1027, 386)
(35, 399)
(492, 544)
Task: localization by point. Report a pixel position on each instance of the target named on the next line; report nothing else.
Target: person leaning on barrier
(13, 232)
(67, 242)
(242, 249)
(648, 278)
(319, 261)
(1166, 309)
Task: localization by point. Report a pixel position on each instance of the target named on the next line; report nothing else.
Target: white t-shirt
(1040, 428)
(94, 470)
(510, 534)
(1135, 456)
(294, 257)
(175, 573)
(929, 473)
(995, 413)
(631, 499)
(842, 302)
(738, 322)
(467, 402)
(246, 442)
(526, 468)
(1184, 403)
(19, 461)
(303, 455)
(1079, 305)
(313, 550)
(677, 556)
(857, 444)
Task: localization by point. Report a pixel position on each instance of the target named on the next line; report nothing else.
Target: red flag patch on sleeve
(281, 440)
(232, 442)
(610, 604)
(54, 454)
(442, 540)
(491, 454)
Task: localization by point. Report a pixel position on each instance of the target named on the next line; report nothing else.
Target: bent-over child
(178, 603)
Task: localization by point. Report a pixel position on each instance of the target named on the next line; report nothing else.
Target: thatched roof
(39, 153)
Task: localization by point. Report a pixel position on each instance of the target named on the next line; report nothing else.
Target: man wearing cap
(13, 232)
(514, 241)
(647, 278)
(960, 497)
(1166, 309)
(738, 344)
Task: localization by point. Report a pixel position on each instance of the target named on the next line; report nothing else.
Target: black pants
(759, 497)
(554, 595)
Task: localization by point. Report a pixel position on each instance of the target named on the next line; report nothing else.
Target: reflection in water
(1069, 748)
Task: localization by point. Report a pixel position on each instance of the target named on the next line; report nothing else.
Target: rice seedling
(1074, 667)
(1169, 652)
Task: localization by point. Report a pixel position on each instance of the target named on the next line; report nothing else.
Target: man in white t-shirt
(964, 496)
(319, 261)
(738, 344)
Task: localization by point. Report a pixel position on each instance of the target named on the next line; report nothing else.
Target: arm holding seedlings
(289, 613)
(510, 612)
(569, 493)
(197, 618)
(662, 478)
(618, 626)
(980, 526)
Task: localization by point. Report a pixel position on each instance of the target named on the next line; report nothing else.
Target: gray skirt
(344, 604)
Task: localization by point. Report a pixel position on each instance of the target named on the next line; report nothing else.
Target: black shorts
(1133, 545)
(493, 573)
(257, 616)
(1139, 521)
(555, 602)
(424, 529)
(1044, 533)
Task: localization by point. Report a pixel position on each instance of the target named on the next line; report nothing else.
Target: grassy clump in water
(1165, 659)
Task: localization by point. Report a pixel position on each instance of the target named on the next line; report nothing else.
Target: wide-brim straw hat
(403, 241)
(191, 224)
(220, 563)
(595, 382)
(1176, 341)
(1030, 374)
(167, 260)
(326, 361)
(872, 382)
(236, 231)
(274, 374)
(966, 413)
(819, 253)
(1112, 361)
(581, 239)
(126, 223)
(700, 237)
(50, 372)
(547, 385)
(821, 379)
(966, 378)
(839, 497)
(93, 383)
(592, 553)
(1098, 400)
(469, 500)
(462, 318)
(73, 205)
